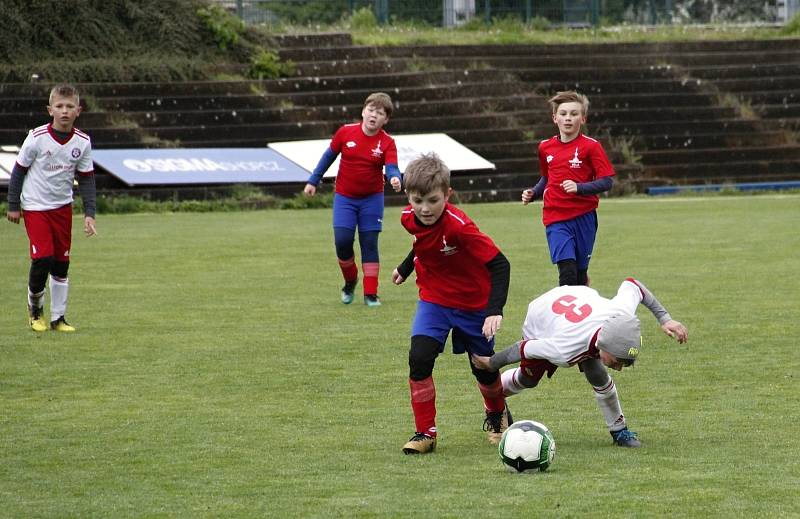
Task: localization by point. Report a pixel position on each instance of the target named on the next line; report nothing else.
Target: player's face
(428, 207)
(64, 111)
(612, 362)
(569, 118)
(373, 118)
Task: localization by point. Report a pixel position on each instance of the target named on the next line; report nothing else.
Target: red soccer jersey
(450, 260)
(363, 157)
(581, 160)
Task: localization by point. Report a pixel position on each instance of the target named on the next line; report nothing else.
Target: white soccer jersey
(563, 321)
(52, 165)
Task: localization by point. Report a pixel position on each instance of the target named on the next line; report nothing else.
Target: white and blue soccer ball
(527, 446)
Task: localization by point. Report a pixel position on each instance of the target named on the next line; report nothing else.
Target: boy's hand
(89, 226)
(491, 325)
(310, 190)
(397, 279)
(569, 186)
(13, 216)
(481, 362)
(676, 330)
(396, 185)
(527, 196)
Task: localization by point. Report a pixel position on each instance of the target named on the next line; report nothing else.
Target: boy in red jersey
(358, 201)
(40, 192)
(574, 169)
(463, 284)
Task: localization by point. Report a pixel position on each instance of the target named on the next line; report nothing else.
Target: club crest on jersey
(575, 162)
(549, 159)
(447, 249)
(76, 152)
(351, 144)
(377, 151)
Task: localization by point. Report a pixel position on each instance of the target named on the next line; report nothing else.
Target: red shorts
(50, 232)
(536, 368)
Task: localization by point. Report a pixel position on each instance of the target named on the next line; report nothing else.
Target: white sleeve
(27, 153)
(628, 297)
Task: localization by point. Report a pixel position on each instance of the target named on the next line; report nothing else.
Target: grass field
(215, 374)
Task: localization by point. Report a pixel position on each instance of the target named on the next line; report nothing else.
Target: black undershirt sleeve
(500, 277)
(407, 266)
(15, 187)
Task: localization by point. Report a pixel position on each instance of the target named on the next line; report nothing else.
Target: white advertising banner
(458, 157)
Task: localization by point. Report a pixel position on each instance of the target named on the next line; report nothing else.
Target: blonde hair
(426, 174)
(64, 90)
(381, 100)
(569, 96)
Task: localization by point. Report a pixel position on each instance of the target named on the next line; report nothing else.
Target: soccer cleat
(347, 291)
(420, 443)
(496, 424)
(626, 438)
(60, 325)
(372, 300)
(35, 319)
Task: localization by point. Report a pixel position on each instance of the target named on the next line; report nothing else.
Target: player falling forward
(574, 325)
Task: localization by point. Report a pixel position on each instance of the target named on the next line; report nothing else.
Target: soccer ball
(527, 446)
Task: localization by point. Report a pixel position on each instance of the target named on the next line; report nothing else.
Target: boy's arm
(499, 276)
(538, 189)
(670, 326)
(15, 187)
(86, 186)
(407, 266)
(322, 166)
(595, 187)
(393, 175)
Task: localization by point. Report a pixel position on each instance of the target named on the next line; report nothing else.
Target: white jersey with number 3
(52, 165)
(563, 321)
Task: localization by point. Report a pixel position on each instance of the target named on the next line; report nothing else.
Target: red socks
(371, 271)
(493, 399)
(349, 269)
(423, 403)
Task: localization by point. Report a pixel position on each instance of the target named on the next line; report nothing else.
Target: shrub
(224, 27)
(265, 64)
(363, 19)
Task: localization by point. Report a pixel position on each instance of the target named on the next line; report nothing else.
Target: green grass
(215, 374)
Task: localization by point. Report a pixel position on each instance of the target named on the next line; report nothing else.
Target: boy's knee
(59, 269)
(483, 376)
(422, 356)
(40, 268)
(567, 272)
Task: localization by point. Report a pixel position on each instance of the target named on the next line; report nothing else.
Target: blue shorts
(436, 321)
(365, 213)
(573, 239)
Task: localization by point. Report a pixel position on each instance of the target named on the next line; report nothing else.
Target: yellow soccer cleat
(35, 319)
(420, 444)
(60, 325)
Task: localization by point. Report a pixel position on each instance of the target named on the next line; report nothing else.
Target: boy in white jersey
(572, 325)
(40, 192)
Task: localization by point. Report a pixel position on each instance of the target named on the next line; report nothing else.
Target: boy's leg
(605, 392)
(468, 337)
(561, 241)
(370, 224)
(526, 376)
(585, 235)
(61, 223)
(343, 239)
(41, 250)
(345, 219)
(428, 335)
(368, 240)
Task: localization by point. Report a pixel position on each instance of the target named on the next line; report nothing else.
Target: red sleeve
(336, 141)
(542, 161)
(390, 156)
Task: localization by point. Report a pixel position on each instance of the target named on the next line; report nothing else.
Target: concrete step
(720, 155)
(713, 172)
(314, 40)
(375, 81)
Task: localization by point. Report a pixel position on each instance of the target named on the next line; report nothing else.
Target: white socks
(35, 300)
(59, 289)
(608, 401)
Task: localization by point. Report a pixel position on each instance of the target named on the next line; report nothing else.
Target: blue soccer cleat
(626, 438)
